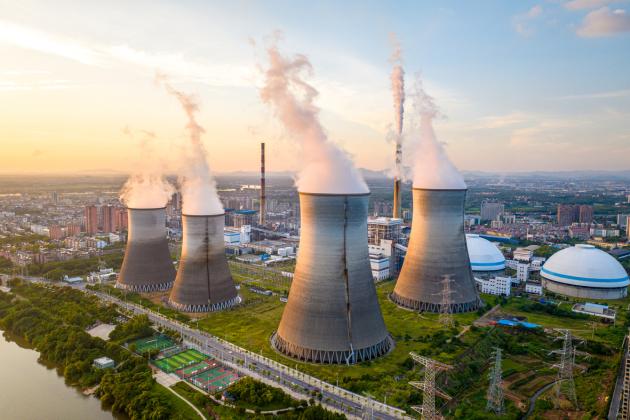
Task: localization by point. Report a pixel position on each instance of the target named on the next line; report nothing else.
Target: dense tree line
(53, 321)
(56, 270)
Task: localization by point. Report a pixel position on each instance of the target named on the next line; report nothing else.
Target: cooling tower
(332, 314)
(437, 254)
(147, 266)
(203, 281)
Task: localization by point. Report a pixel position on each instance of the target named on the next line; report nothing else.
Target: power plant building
(203, 281)
(483, 254)
(437, 252)
(332, 314)
(147, 266)
(584, 271)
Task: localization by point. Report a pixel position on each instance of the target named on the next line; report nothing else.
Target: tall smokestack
(263, 198)
(203, 281)
(398, 93)
(147, 266)
(437, 248)
(397, 203)
(332, 315)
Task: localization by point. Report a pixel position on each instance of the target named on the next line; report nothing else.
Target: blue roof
(510, 323)
(507, 323)
(245, 212)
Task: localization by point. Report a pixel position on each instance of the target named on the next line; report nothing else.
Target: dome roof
(484, 256)
(586, 266)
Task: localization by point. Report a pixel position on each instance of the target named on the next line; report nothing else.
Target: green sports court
(180, 360)
(214, 379)
(158, 342)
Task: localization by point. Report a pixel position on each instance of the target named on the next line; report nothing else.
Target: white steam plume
(198, 187)
(325, 167)
(432, 168)
(398, 84)
(146, 187)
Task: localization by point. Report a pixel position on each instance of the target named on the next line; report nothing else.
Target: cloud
(522, 22)
(622, 93)
(587, 4)
(604, 22)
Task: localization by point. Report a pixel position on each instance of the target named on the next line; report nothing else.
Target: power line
(431, 368)
(446, 313)
(565, 385)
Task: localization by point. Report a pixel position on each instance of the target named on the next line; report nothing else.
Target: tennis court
(214, 379)
(158, 342)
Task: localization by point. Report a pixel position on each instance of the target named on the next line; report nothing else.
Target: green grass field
(180, 360)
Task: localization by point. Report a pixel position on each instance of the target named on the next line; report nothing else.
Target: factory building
(332, 314)
(147, 266)
(483, 254)
(437, 252)
(584, 271)
(498, 286)
(380, 228)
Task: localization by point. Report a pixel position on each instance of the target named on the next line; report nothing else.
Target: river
(31, 391)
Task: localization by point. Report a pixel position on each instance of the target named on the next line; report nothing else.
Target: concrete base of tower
(209, 307)
(331, 357)
(433, 307)
(145, 288)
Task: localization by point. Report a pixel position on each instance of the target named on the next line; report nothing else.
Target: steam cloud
(147, 187)
(398, 85)
(326, 168)
(432, 168)
(198, 187)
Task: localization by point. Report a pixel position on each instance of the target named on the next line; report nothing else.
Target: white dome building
(483, 254)
(586, 272)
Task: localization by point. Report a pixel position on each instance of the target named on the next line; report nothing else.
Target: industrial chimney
(437, 252)
(332, 314)
(263, 197)
(147, 266)
(203, 282)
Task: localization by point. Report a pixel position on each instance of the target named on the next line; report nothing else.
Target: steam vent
(437, 254)
(203, 282)
(332, 314)
(147, 266)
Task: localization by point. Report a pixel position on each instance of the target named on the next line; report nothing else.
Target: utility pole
(564, 382)
(495, 390)
(446, 313)
(431, 368)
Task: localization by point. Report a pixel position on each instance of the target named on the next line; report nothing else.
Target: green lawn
(180, 407)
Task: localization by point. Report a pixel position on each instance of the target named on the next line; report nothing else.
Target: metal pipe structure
(147, 266)
(437, 251)
(263, 197)
(203, 282)
(332, 314)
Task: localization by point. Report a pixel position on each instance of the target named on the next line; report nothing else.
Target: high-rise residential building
(628, 227)
(91, 219)
(54, 197)
(585, 214)
(622, 220)
(383, 228)
(56, 232)
(73, 230)
(491, 210)
(109, 219)
(121, 219)
(567, 214)
(628, 198)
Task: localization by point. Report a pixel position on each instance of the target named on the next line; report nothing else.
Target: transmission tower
(495, 390)
(446, 312)
(431, 368)
(564, 382)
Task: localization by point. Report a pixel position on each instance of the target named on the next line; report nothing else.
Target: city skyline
(521, 86)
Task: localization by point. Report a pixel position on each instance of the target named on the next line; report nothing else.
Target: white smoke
(325, 168)
(398, 85)
(198, 187)
(147, 186)
(432, 169)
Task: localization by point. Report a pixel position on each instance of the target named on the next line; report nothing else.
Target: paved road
(296, 383)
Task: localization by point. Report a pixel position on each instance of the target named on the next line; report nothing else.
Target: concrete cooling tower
(203, 282)
(332, 314)
(147, 266)
(437, 254)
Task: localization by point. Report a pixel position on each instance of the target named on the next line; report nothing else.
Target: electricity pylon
(431, 368)
(564, 382)
(495, 390)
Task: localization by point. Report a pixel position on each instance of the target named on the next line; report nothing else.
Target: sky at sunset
(520, 85)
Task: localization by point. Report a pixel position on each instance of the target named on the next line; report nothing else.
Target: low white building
(522, 272)
(231, 238)
(379, 264)
(594, 309)
(534, 288)
(499, 286)
(103, 363)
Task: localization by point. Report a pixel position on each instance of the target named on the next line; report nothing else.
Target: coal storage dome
(483, 254)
